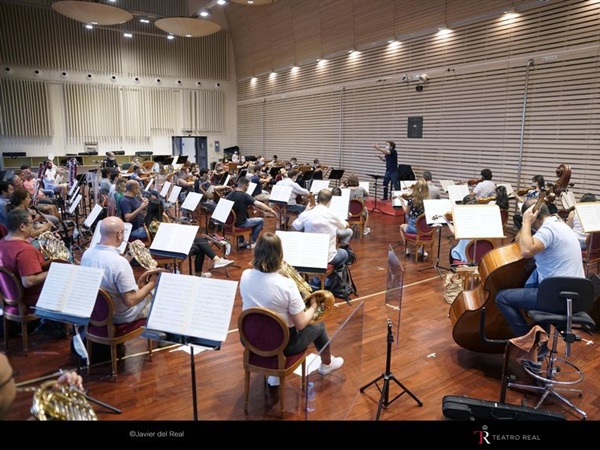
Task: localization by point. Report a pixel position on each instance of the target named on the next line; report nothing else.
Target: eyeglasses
(12, 376)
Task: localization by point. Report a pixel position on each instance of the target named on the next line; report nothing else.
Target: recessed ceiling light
(144, 21)
(89, 27)
(128, 35)
(170, 37)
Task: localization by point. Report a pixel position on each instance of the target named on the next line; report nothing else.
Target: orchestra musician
(110, 162)
(413, 207)
(537, 185)
(297, 190)
(133, 208)
(574, 222)
(556, 252)
(485, 187)
(21, 200)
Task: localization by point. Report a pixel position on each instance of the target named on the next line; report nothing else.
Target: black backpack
(340, 283)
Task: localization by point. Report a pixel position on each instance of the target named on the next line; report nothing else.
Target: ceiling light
(221, 2)
(89, 12)
(204, 13)
(170, 37)
(144, 21)
(127, 35)
(89, 27)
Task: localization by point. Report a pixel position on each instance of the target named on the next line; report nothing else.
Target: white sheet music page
(589, 216)
(477, 221)
(305, 249)
(317, 185)
(251, 188)
(75, 184)
(191, 201)
(437, 208)
(280, 194)
(446, 183)
(222, 210)
(508, 186)
(165, 189)
(226, 183)
(568, 199)
(174, 237)
(96, 237)
(174, 194)
(70, 289)
(149, 185)
(406, 185)
(457, 192)
(396, 202)
(73, 206)
(365, 185)
(96, 210)
(193, 306)
(340, 205)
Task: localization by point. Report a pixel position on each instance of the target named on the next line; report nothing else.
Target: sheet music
(508, 186)
(222, 210)
(589, 216)
(74, 204)
(96, 210)
(191, 201)
(340, 205)
(251, 188)
(96, 237)
(75, 184)
(477, 221)
(305, 249)
(364, 185)
(70, 289)
(317, 185)
(458, 192)
(396, 202)
(75, 193)
(437, 207)
(280, 193)
(174, 237)
(568, 199)
(165, 189)
(226, 183)
(149, 185)
(406, 185)
(174, 194)
(193, 306)
(446, 183)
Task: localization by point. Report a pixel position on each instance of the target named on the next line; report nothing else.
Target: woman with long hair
(413, 207)
(20, 199)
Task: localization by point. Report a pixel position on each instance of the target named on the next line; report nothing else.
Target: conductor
(389, 155)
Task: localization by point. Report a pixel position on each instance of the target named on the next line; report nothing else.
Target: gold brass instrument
(142, 255)
(52, 247)
(52, 401)
(325, 299)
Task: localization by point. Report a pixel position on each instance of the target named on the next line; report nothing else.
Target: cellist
(556, 251)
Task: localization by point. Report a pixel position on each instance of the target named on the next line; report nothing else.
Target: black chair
(566, 301)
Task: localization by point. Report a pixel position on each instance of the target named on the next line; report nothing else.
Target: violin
(474, 181)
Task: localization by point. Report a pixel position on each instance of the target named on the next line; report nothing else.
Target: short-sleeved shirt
(128, 205)
(487, 188)
(23, 259)
(321, 219)
(118, 279)
(241, 201)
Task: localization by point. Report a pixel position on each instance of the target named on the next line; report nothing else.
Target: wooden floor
(424, 359)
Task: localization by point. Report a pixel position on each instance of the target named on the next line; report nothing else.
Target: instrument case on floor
(464, 408)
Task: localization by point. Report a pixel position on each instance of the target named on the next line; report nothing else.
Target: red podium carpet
(385, 207)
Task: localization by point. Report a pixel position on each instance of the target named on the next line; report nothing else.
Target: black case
(464, 408)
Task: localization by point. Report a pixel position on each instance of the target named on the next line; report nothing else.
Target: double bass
(501, 268)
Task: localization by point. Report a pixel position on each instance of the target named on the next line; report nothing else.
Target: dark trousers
(390, 177)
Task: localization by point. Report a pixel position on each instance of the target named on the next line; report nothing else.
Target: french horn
(52, 401)
(53, 248)
(142, 255)
(325, 299)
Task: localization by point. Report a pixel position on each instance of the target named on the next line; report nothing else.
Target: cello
(501, 268)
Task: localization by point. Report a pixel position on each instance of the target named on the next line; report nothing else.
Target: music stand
(376, 177)
(336, 174)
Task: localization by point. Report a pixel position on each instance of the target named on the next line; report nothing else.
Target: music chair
(3, 231)
(423, 237)
(282, 221)
(165, 261)
(356, 218)
(13, 307)
(102, 330)
(476, 248)
(591, 254)
(568, 299)
(320, 275)
(229, 228)
(265, 335)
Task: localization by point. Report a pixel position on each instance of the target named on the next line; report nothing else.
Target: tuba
(325, 299)
(53, 248)
(142, 255)
(61, 402)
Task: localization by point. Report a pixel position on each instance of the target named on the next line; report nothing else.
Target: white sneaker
(227, 248)
(272, 381)
(366, 231)
(222, 263)
(252, 245)
(425, 255)
(336, 363)
(206, 275)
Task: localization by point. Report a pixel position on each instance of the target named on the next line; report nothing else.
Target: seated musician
(574, 222)
(53, 179)
(264, 286)
(184, 180)
(201, 248)
(320, 219)
(486, 187)
(290, 180)
(140, 176)
(21, 200)
(110, 162)
(44, 204)
(211, 193)
(259, 193)
(556, 251)
(6, 190)
(359, 193)
(537, 185)
(133, 209)
(131, 303)
(413, 207)
(434, 191)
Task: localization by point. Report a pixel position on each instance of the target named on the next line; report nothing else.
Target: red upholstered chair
(356, 217)
(3, 231)
(102, 330)
(229, 228)
(264, 335)
(13, 306)
(591, 254)
(423, 237)
(476, 248)
(320, 275)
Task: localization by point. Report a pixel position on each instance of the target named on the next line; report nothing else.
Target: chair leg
(25, 337)
(113, 359)
(150, 348)
(5, 334)
(281, 395)
(246, 390)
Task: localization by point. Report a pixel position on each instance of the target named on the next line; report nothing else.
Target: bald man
(131, 303)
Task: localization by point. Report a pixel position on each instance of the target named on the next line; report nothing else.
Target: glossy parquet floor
(423, 358)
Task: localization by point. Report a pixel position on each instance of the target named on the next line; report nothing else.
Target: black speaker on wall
(145, 153)
(13, 154)
(117, 152)
(415, 127)
(88, 153)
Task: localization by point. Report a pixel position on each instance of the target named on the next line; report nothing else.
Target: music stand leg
(193, 371)
(375, 208)
(436, 266)
(388, 376)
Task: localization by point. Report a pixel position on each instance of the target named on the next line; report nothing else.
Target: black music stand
(376, 177)
(436, 266)
(336, 174)
(388, 376)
